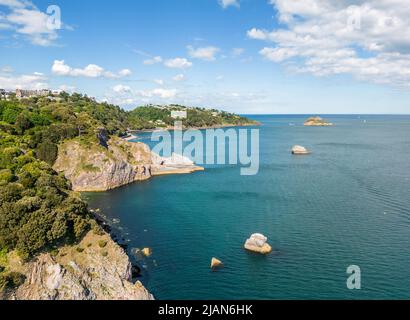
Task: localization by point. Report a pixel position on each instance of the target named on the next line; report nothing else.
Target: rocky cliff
(114, 163)
(95, 167)
(95, 269)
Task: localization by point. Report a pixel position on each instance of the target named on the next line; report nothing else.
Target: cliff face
(99, 168)
(96, 269)
(93, 168)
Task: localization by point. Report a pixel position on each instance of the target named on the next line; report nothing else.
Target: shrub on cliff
(37, 211)
(47, 151)
(11, 280)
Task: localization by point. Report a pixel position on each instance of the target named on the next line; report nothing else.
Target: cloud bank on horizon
(244, 56)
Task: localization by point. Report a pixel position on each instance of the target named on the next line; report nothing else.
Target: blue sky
(246, 56)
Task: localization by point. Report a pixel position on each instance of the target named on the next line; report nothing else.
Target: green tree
(10, 113)
(23, 123)
(47, 151)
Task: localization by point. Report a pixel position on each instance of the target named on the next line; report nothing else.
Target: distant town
(20, 93)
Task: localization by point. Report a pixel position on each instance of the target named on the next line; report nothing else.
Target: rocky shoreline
(100, 168)
(95, 269)
(99, 267)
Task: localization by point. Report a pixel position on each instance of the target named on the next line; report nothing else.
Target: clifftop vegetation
(151, 116)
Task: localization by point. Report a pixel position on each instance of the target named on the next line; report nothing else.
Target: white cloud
(60, 68)
(25, 19)
(278, 54)
(153, 60)
(159, 93)
(178, 63)
(124, 73)
(27, 81)
(179, 77)
(126, 96)
(121, 88)
(205, 53)
(370, 40)
(91, 71)
(226, 3)
(12, 3)
(257, 34)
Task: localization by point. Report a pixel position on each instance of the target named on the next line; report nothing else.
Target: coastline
(177, 171)
(136, 132)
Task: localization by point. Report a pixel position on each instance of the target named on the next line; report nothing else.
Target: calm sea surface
(348, 203)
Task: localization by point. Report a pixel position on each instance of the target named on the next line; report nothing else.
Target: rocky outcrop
(299, 150)
(317, 122)
(176, 164)
(258, 243)
(216, 263)
(84, 272)
(96, 168)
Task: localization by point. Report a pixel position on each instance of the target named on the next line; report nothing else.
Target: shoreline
(177, 171)
(136, 132)
(167, 171)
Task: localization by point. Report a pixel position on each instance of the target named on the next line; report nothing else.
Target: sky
(244, 56)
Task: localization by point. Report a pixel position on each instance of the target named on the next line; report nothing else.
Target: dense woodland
(38, 210)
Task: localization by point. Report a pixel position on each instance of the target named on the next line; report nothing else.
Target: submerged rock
(137, 253)
(136, 272)
(258, 243)
(299, 150)
(216, 263)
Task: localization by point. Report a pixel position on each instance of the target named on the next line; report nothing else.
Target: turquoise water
(348, 203)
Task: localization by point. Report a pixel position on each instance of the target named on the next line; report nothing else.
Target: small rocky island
(258, 243)
(299, 150)
(317, 122)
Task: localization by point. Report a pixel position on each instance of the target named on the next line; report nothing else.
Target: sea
(346, 204)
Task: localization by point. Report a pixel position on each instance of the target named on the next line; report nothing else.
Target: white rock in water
(299, 150)
(174, 160)
(258, 243)
(216, 263)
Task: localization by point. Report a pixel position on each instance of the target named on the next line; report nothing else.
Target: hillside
(151, 116)
(39, 212)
